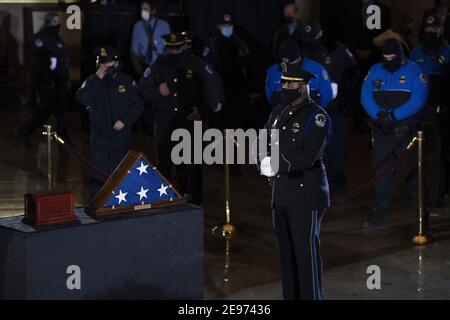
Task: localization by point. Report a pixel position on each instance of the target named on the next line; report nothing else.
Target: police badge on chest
(121, 88)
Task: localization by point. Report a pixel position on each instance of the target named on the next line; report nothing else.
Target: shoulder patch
(59, 45)
(325, 75)
(321, 120)
(147, 72)
(84, 84)
(134, 84)
(38, 43)
(209, 69)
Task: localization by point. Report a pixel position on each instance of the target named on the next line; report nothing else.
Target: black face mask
(290, 95)
(393, 47)
(431, 40)
(112, 70)
(393, 65)
(176, 58)
(54, 30)
(288, 20)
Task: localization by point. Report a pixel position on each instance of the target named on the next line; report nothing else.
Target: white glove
(218, 107)
(53, 63)
(335, 88)
(266, 168)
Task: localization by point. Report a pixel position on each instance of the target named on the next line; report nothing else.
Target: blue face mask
(227, 31)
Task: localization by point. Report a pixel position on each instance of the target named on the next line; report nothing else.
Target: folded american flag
(135, 184)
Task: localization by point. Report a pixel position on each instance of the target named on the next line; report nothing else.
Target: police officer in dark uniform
(394, 95)
(433, 56)
(180, 86)
(51, 78)
(442, 11)
(342, 68)
(227, 52)
(299, 184)
(113, 103)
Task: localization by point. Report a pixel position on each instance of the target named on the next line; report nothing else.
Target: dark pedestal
(155, 254)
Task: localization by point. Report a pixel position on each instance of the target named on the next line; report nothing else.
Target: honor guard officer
(394, 94)
(342, 68)
(51, 78)
(179, 85)
(320, 85)
(433, 56)
(113, 103)
(300, 193)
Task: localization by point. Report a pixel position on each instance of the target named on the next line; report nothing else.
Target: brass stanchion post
(422, 236)
(227, 228)
(48, 132)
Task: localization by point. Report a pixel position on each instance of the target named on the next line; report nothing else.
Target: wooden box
(46, 209)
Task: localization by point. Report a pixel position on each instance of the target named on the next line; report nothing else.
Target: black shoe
(23, 135)
(376, 220)
(443, 201)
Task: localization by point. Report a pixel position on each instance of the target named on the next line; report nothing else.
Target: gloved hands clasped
(266, 168)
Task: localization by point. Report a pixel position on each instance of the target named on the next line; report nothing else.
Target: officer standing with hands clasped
(113, 103)
(433, 56)
(178, 86)
(342, 68)
(394, 94)
(300, 192)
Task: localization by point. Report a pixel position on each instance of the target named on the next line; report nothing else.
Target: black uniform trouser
(386, 148)
(298, 232)
(106, 152)
(189, 176)
(53, 100)
(336, 151)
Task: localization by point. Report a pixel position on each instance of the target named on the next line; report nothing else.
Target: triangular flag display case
(136, 184)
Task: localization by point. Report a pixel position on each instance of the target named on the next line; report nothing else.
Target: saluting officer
(180, 86)
(300, 192)
(394, 94)
(320, 85)
(51, 78)
(342, 68)
(113, 103)
(433, 56)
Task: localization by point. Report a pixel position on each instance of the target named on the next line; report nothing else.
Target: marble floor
(246, 266)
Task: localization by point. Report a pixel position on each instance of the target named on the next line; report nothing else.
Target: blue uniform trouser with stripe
(298, 233)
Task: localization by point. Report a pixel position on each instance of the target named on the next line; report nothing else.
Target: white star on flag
(142, 169)
(162, 190)
(143, 193)
(122, 196)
